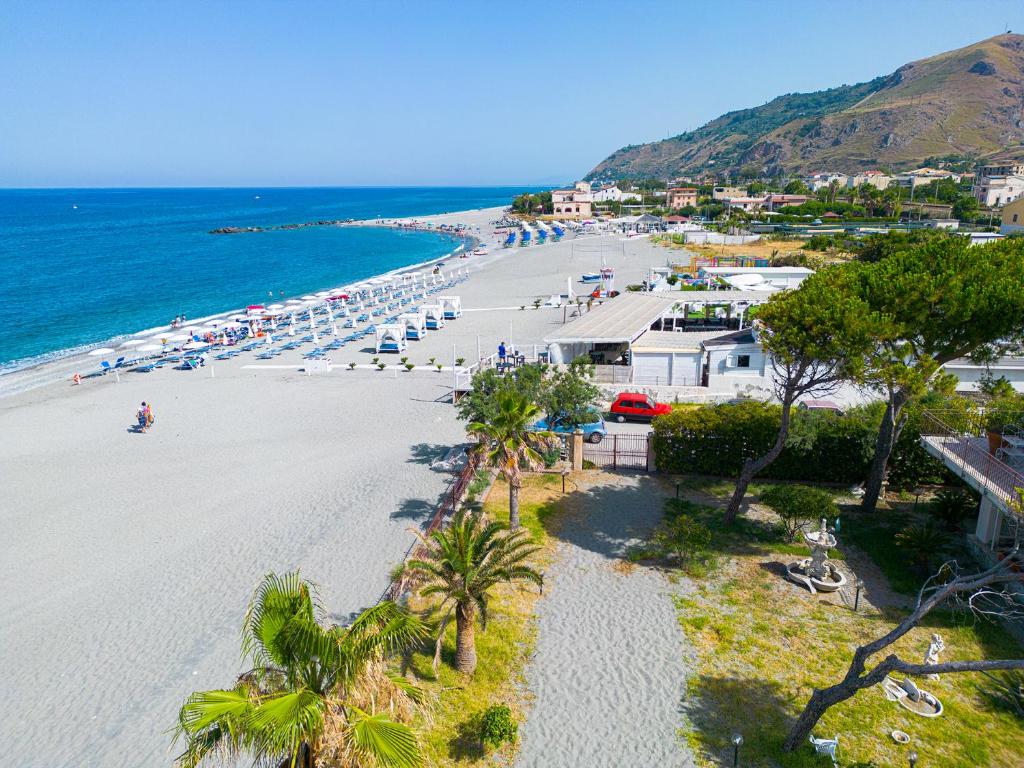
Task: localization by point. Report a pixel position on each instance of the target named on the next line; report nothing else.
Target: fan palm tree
(509, 444)
(312, 689)
(462, 563)
(922, 542)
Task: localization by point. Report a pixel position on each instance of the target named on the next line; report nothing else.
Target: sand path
(609, 669)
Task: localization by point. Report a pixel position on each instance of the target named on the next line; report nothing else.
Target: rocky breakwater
(321, 223)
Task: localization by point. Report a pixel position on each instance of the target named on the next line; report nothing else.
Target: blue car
(594, 431)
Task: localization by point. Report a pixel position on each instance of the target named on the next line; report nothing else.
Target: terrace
(992, 467)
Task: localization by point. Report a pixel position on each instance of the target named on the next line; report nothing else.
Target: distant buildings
(997, 190)
(575, 203)
(1013, 217)
(769, 202)
(723, 193)
(681, 197)
(818, 181)
(876, 179)
(612, 194)
(921, 176)
(1008, 169)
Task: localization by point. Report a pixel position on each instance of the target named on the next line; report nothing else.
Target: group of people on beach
(179, 321)
(145, 416)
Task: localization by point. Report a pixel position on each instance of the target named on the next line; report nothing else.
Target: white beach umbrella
(150, 331)
(101, 351)
(276, 306)
(316, 338)
(309, 298)
(151, 348)
(291, 326)
(334, 328)
(132, 343)
(178, 337)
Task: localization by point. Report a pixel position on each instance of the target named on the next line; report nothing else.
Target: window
(742, 361)
(1015, 218)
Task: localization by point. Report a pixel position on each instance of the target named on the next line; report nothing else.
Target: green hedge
(822, 446)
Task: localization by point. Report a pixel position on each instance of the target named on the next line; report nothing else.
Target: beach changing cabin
(391, 338)
(434, 314)
(452, 306)
(415, 324)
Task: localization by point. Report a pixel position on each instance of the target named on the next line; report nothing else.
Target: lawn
(763, 643)
(445, 727)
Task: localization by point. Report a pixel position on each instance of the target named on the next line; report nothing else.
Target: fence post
(651, 463)
(576, 450)
(615, 455)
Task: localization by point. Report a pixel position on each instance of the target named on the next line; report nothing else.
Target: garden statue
(935, 647)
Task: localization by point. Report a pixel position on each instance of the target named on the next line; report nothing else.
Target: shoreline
(57, 365)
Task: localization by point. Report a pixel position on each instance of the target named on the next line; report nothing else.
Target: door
(652, 369)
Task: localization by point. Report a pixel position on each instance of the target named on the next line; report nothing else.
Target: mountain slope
(964, 102)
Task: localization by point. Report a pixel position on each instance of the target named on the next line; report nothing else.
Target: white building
(818, 181)
(915, 179)
(876, 179)
(776, 277)
(613, 194)
(996, 191)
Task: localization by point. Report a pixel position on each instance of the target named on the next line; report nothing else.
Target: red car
(633, 405)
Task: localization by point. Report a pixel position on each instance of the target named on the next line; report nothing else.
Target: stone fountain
(817, 572)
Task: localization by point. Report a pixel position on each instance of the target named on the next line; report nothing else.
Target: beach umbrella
(177, 337)
(132, 343)
(316, 338)
(151, 348)
(334, 328)
(276, 306)
(148, 331)
(291, 326)
(309, 298)
(101, 351)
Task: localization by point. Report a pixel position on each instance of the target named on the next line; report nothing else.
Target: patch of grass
(875, 534)
(446, 727)
(762, 647)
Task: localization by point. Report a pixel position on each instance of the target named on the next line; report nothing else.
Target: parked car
(594, 429)
(637, 407)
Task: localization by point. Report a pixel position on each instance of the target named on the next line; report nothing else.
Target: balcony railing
(962, 442)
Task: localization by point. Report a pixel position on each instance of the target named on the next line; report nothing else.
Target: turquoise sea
(80, 266)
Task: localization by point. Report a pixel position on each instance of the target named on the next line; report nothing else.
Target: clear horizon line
(506, 185)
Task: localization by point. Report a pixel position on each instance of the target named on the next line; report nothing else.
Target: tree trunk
(513, 503)
(887, 435)
(465, 640)
(818, 705)
(752, 466)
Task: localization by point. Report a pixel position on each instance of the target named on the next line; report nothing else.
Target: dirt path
(609, 670)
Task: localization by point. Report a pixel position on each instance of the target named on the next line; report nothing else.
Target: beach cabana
(391, 338)
(415, 324)
(434, 314)
(452, 306)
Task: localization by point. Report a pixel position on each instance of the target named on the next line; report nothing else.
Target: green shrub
(822, 446)
(497, 726)
(951, 507)
(922, 543)
(552, 455)
(680, 538)
(798, 504)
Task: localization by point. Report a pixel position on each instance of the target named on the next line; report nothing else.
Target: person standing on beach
(502, 352)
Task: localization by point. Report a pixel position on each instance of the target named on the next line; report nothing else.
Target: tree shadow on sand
(424, 453)
(416, 510)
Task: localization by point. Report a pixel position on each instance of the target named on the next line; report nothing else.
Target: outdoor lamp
(912, 757)
(737, 739)
(856, 599)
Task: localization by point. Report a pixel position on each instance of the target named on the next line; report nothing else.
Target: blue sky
(380, 93)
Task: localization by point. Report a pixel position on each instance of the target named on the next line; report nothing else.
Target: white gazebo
(391, 338)
(415, 324)
(452, 306)
(434, 314)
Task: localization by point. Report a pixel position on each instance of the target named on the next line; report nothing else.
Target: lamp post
(912, 757)
(856, 599)
(737, 739)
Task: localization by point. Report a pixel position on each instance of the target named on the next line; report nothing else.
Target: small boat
(591, 277)
(479, 251)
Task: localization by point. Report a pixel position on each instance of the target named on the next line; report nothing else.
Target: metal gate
(618, 452)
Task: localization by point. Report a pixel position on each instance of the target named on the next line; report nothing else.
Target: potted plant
(1000, 413)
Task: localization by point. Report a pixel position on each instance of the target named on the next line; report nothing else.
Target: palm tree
(508, 444)
(922, 542)
(312, 690)
(462, 563)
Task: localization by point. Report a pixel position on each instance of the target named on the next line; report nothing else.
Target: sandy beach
(135, 555)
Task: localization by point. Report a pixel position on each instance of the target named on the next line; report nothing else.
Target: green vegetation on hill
(961, 106)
